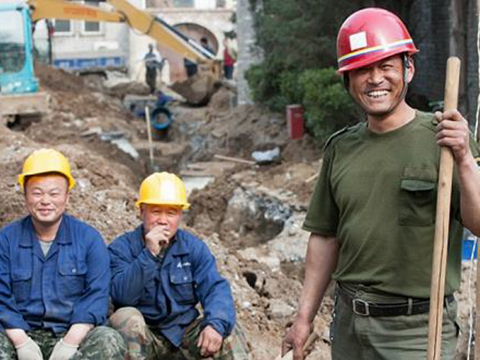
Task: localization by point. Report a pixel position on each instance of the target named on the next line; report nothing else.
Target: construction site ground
(249, 213)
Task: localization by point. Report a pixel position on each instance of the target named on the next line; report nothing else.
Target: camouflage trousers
(146, 343)
(102, 343)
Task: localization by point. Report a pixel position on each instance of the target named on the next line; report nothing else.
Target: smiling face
(378, 88)
(46, 196)
(166, 216)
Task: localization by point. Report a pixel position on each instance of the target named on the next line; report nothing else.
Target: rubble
(250, 216)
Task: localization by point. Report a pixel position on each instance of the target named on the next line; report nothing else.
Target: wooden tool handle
(289, 355)
(149, 133)
(440, 248)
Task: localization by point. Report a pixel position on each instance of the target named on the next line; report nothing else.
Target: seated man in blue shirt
(54, 274)
(160, 273)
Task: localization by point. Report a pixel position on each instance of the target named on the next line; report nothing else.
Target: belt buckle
(359, 305)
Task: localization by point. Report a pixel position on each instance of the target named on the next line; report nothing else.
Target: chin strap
(406, 67)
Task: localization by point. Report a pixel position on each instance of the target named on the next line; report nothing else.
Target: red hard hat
(370, 35)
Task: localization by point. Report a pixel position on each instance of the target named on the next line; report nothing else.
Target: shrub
(328, 107)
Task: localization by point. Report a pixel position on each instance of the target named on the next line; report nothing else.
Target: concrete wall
(120, 40)
(199, 4)
(109, 41)
(248, 53)
(210, 23)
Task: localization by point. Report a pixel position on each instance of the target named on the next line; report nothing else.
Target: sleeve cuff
(220, 326)
(88, 318)
(148, 255)
(319, 230)
(16, 322)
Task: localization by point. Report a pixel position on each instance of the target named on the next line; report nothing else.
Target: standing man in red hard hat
(372, 213)
(54, 274)
(160, 274)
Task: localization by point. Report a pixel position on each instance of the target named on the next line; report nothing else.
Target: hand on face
(157, 238)
(453, 131)
(209, 342)
(160, 223)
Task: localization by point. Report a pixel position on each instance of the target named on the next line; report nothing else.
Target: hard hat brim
(183, 206)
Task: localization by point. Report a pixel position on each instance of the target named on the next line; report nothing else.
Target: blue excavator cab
(16, 51)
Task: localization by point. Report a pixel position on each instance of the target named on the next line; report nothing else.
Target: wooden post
(149, 133)
(442, 220)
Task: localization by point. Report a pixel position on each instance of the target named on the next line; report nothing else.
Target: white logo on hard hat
(169, 191)
(358, 41)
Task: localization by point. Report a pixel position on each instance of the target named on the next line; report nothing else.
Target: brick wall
(248, 52)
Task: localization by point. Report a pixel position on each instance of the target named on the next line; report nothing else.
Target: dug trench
(250, 215)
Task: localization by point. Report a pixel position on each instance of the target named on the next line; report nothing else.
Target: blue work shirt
(67, 286)
(166, 291)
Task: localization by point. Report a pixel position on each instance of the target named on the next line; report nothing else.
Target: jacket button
(74, 271)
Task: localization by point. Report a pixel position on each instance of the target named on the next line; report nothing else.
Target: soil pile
(249, 215)
(83, 117)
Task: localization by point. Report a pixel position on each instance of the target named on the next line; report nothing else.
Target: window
(62, 26)
(91, 27)
(184, 3)
(12, 42)
(205, 4)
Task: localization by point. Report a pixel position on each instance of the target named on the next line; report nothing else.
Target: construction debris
(250, 216)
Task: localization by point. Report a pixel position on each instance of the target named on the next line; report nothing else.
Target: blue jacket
(68, 286)
(166, 291)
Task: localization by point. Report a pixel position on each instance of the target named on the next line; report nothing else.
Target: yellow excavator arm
(123, 12)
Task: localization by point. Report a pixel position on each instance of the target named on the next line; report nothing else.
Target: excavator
(19, 88)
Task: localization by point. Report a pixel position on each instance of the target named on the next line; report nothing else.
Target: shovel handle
(442, 220)
(289, 355)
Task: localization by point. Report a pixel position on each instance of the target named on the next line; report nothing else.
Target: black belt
(365, 308)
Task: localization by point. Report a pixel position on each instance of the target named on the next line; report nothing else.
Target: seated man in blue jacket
(160, 274)
(54, 274)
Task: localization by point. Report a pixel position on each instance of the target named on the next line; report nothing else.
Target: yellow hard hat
(163, 189)
(46, 161)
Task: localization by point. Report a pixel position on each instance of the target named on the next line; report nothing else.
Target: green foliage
(297, 36)
(263, 83)
(328, 107)
(290, 88)
(284, 84)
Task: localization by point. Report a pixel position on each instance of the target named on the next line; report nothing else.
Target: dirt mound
(83, 116)
(209, 205)
(83, 121)
(221, 101)
(103, 196)
(58, 80)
